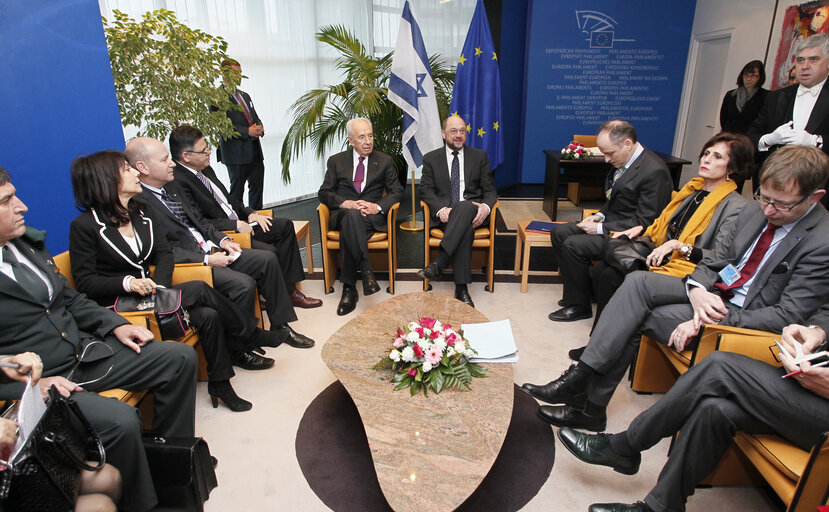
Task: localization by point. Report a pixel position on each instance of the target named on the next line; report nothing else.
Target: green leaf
(415, 388)
(403, 385)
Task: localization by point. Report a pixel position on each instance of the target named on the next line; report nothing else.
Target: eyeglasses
(456, 131)
(749, 74)
(205, 151)
(784, 208)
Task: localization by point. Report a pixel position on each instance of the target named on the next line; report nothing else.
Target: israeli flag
(412, 89)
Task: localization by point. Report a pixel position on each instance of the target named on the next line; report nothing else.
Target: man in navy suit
(353, 189)
(797, 114)
(243, 154)
(199, 182)
(457, 185)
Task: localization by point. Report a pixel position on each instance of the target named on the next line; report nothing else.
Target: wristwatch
(685, 250)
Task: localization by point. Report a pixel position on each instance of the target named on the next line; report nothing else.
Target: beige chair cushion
(479, 233)
(377, 236)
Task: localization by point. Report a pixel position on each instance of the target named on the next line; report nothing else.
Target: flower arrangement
(575, 151)
(430, 354)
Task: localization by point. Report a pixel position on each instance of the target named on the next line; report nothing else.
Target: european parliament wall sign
(588, 62)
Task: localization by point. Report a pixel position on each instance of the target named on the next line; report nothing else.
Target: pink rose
(419, 331)
(401, 333)
(417, 350)
(427, 322)
(398, 342)
(450, 340)
(412, 373)
(435, 335)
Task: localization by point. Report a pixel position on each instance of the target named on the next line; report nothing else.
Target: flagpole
(414, 224)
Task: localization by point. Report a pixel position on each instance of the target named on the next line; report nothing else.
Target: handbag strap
(80, 360)
(58, 400)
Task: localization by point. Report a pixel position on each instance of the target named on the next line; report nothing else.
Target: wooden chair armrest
(391, 219)
(749, 342)
(324, 215)
(587, 212)
(265, 213)
(184, 272)
(144, 319)
(427, 217)
(242, 239)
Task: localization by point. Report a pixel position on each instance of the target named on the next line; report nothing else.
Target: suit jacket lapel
(819, 111)
(112, 237)
(46, 266)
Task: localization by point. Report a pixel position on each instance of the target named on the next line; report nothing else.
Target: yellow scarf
(679, 266)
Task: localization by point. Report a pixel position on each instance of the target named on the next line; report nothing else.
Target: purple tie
(359, 176)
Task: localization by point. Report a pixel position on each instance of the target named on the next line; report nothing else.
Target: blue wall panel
(59, 102)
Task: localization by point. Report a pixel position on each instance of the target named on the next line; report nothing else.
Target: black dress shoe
(569, 416)
(251, 361)
(561, 303)
(575, 354)
(224, 391)
(570, 388)
(370, 285)
(595, 449)
(293, 338)
(262, 338)
(570, 314)
(619, 507)
(430, 271)
(462, 295)
(348, 301)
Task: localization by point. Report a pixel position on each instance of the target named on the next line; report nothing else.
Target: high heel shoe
(224, 390)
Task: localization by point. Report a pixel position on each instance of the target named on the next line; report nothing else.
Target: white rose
(413, 326)
(408, 354)
(450, 352)
(469, 353)
(394, 355)
(440, 343)
(424, 344)
(427, 366)
(460, 347)
(438, 326)
(413, 336)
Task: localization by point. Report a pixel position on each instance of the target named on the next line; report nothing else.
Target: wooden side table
(524, 241)
(301, 227)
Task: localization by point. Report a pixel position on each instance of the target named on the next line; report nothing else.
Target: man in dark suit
(724, 393)
(243, 154)
(44, 315)
(773, 271)
(236, 271)
(797, 114)
(637, 190)
(199, 182)
(353, 189)
(460, 201)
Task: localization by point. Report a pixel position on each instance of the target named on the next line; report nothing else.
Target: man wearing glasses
(797, 114)
(197, 179)
(771, 271)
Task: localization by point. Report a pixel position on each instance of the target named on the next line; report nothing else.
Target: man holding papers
(724, 393)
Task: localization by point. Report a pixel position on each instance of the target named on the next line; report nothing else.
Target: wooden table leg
(518, 246)
(525, 267)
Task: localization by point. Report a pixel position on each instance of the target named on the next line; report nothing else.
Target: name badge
(729, 275)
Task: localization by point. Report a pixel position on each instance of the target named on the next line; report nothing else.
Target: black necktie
(455, 178)
(26, 277)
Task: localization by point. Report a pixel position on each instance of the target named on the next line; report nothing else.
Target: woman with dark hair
(698, 216)
(112, 245)
(741, 105)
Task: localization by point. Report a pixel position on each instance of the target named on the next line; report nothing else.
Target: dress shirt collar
(356, 159)
(636, 153)
(449, 151)
(814, 90)
(156, 191)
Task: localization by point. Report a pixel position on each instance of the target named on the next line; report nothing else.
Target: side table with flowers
(575, 151)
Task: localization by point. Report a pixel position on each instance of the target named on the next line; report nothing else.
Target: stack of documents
(493, 341)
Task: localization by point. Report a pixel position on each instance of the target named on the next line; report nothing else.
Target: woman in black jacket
(112, 245)
(741, 105)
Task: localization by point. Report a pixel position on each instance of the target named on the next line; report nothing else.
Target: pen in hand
(799, 371)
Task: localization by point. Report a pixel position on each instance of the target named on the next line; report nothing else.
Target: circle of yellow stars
(495, 126)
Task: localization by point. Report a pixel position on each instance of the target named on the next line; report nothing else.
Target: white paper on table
(492, 340)
(29, 412)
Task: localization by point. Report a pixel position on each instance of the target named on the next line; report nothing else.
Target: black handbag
(626, 255)
(46, 474)
(182, 470)
(173, 320)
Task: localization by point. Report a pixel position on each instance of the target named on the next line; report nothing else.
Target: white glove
(778, 136)
(800, 138)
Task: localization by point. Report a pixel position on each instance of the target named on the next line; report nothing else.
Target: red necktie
(240, 101)
(760, 250)
(359, 176)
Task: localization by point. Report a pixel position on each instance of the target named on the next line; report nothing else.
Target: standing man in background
(243, 155)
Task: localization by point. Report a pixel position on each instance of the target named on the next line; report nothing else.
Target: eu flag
(477, 93)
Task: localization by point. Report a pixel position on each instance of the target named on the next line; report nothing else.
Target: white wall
(748, 22)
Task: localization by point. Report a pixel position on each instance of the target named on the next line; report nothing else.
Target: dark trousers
(223, 328)
(458, 235)
(723, 394)
(281, 240)
(574, 250)
(606, 280)
(355, 230)
(168, 370)
(252, 173)
(254, 268)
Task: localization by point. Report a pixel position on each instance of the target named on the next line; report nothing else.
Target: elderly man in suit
(637, 190)
(199, 182)
(236, 271)
(243, 155)
(459, 201)
(773, 271)
(44, 315)
(353, 189)
(797, 114)
(723, 394)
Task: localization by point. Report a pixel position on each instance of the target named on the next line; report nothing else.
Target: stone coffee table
(430, 453)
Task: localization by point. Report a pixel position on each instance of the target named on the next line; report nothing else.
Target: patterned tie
(218, 197)
(175, 207)
(616, 174)
(360, 175)
(455, 179)
(240, 101)
(26, 277)
(748, 270)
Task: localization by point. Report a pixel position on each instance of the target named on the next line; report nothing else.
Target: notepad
(493, 341)
(538, 226)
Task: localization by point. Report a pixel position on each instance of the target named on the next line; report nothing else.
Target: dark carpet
(335, 458)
